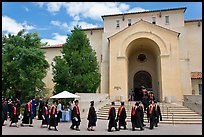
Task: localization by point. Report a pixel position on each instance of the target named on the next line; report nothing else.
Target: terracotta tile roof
(52, 46)
(193, 20)
(196, 75)
(182, 8)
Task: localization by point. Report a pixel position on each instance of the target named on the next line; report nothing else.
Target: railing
(168, 112)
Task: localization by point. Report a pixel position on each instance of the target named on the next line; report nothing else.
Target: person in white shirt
(59, 110)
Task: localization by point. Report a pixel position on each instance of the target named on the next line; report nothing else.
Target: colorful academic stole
(110, 110)
(121, 108)
(14, 110)
(134, 110)
(29, 106)
(53, 109)
(150, 109)
(77, 109)
(46, 111)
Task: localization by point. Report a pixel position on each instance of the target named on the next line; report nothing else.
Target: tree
(23, 65)
(77, 70)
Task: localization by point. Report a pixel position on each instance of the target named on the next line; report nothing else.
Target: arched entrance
(143, 67)
(141, 79)
(161, 48)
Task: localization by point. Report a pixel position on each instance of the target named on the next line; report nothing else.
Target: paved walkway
(101, 129)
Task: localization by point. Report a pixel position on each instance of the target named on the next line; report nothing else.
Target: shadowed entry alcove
(141, 78)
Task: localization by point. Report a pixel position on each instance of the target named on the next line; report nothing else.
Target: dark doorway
(141, 78)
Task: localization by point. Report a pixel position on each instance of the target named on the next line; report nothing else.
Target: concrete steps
(171, 113)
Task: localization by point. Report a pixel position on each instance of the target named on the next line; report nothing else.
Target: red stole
(121, 108)
(77, 109)
(14, 110)
(134, 110)
(53, 109)
(29, 106)
(46, 111)
(150, 109)
(110, 110)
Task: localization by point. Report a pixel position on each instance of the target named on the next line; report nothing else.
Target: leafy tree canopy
(23, 65)
(77, 70)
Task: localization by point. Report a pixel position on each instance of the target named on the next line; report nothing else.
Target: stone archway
(143, 56)
(142, 78)
(162, 49)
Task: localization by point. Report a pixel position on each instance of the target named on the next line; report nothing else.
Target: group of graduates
(11, 109)
(50, 115)
(137, 116)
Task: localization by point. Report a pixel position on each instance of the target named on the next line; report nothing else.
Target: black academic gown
(139, 117)
(75, 116)
(92, 118)
(40, 110)
(27, 117)
(45, 113)
(112, 118)
(151, 116)
(121, 117)
(14, 116)
(158, 115)
(4, 111)
(133, 117)
(53, 117)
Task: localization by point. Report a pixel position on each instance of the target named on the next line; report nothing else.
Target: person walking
(27, 116)
(53, 117)
(158, 115)
(59, 110)
(75, 116)
(45, 115)
(151, 114)
(40, 109)
(121, 116)
(92, 117)
(14, 115)
(112, 117)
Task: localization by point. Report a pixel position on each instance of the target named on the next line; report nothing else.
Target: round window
(141, 57)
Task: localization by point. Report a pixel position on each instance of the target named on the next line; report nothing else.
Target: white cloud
(70, 26)
(26, 9)
(61, 25)
(54, 6)
(57, 39)
(92, 10)
(136, 9)
(40, 4)
(10, 25)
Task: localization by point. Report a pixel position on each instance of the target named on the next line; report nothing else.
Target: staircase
(171, 113)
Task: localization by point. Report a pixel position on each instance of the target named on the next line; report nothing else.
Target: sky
(54, 20)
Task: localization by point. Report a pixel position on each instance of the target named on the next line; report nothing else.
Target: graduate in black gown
(139, 116)
(141, 106)
(27, 116)
(121, 116)
(133, 117)
(92, 117)
(157, 114)
(112, 117)
(151, 114)
(75, 116)
(40, 108)
(18, 107)
(14, 115)
(53, 116)
(4, 111)
(45, 115)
